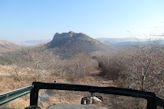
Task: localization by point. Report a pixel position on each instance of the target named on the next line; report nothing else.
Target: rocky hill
(71, 43)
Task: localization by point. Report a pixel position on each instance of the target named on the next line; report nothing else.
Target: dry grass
(22, 77)
(79, 69)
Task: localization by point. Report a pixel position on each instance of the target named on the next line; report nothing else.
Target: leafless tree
(147, 68)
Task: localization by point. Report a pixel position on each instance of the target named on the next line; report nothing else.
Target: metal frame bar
(10, 96)
(152, 100)
(13, 98)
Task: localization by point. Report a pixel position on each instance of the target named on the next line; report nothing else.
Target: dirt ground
(8, 83)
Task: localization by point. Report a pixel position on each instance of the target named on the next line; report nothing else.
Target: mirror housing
(91, 100)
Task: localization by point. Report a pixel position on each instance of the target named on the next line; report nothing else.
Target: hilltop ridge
(68, 44)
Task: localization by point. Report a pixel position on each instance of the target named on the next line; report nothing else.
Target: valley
(77, 58)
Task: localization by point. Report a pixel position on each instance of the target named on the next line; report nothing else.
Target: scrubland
(140, 67)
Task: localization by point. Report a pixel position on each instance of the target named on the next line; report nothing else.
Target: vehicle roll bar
(152, 100)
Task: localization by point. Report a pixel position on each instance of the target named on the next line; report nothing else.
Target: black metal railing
(152, 100)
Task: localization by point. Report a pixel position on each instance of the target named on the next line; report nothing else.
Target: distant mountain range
(71, 43)
(124, 42)
(112, 42)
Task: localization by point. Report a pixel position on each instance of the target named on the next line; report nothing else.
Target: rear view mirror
(92, 100)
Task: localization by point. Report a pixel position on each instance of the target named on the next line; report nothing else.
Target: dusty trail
(100, 80)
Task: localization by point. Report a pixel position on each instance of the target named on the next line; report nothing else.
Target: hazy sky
(41, 19)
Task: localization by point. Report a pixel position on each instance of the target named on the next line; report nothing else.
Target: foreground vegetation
(139, 67)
